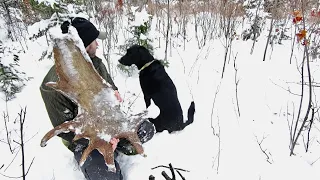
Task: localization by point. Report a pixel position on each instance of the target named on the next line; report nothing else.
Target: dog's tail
(191, 112)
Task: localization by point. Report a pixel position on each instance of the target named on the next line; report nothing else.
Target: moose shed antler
(99, 119)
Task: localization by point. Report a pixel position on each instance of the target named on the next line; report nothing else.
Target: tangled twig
(165, 175)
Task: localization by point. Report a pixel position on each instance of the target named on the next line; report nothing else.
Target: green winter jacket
(61, 108)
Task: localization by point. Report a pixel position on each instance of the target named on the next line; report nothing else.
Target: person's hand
(114, 143)
(117, 94)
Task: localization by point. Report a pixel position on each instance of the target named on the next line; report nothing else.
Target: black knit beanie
(86, 30)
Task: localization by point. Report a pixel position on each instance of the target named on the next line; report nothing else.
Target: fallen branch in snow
(178, 169)
(264, 151)
(165, 175)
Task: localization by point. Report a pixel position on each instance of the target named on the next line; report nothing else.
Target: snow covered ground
(219, 145)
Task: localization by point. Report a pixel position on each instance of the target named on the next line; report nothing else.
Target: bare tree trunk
(11, 31)
(309, 106)
(184, 31)
(293, 43)
(268, 40)
(296, 137)
(228, 40)
(255, 28)
(310, 126)
(196, 29)
(22, 118)
(168, 28)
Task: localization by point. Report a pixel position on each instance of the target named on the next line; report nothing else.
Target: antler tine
(64, 127)
(104, 148)
(133, 138)
(86, 153)
(78, 136)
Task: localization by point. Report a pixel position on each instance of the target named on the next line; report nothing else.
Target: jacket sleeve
(102, 70)
(59, 107)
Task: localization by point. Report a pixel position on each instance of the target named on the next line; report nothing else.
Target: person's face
(92, 48)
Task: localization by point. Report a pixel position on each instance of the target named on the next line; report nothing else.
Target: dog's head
(137, 55)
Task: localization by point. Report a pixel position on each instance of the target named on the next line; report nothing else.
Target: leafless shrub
(299, 128)
(109, 17)
(21, 143)
(229, 21)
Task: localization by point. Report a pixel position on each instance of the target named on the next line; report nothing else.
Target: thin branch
(315, 161)
(236, 81)
(213, 104)
(183, 178)
(6, 118)
(12, 160)
(22, 119)
(165, 175)
(12, 177)
(264, 151)
(178, 169)
(182, 61)
(30, 138)
(313, 84)
(290, 124)
(129, 108)
(288, 90)
(196, 61)
(219, 151)
(311, 122)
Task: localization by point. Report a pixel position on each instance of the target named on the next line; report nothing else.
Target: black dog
(158, 86)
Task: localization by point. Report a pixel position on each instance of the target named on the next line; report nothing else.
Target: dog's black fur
(158, 86)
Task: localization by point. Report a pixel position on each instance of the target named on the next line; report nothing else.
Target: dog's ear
(128, 58)
(145, 54)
